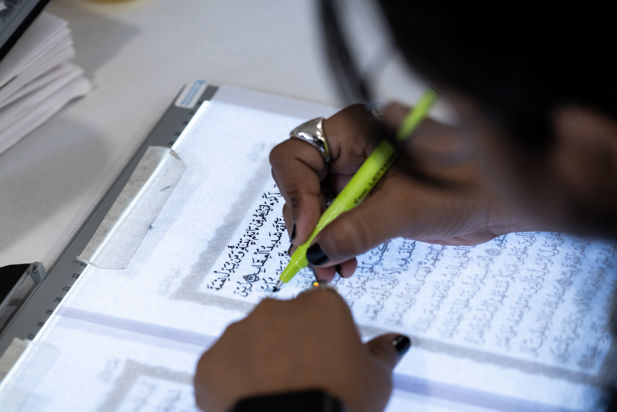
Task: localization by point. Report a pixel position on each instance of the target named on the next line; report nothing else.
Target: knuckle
(265, 309)
(286, 211)
(294, 198)
(302, 200)
(265, 304)
(274, 177)
(262, 314)
(328, 300)
(233, 328)
(277, 153)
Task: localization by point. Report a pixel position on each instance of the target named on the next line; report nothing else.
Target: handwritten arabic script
(542, 297)
(250, 265)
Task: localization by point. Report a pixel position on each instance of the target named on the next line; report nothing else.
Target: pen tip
(278, 286)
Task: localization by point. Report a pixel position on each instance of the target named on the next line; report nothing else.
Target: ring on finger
(312, 133)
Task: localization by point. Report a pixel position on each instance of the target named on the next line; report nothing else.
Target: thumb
(388, 349)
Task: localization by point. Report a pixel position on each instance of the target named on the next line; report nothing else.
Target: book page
(518, 323)
(539, 297)
(116, 370)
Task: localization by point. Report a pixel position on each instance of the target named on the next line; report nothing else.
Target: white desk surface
(138, 54)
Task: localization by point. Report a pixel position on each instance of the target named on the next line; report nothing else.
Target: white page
(165, 291)
(44, 32)
(33, 109)
(56, 55)
(50, 76)
(35, 79)
(517, 295)
(111, 369)
(525, 308)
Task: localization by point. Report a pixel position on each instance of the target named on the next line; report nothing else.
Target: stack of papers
(37, 79)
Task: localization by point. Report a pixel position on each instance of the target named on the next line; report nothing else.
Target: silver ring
(312, 133)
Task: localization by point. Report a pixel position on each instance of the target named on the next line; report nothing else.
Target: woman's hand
(461, 209)
(306, 343)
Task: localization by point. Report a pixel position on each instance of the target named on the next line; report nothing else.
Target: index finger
(298, 170)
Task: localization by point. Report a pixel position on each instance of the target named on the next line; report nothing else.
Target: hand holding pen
(400, 205)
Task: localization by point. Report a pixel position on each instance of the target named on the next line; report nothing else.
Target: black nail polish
(401, 344)
(293, 233)
(338, 269)
(315, 255)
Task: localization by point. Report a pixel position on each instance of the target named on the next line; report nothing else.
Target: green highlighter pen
(361, 184)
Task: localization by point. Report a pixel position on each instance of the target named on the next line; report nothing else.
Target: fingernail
(338, 269)
(289, 250)
(315, 255)
(293, 233)
(401, 344)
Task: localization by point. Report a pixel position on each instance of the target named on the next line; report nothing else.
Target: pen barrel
(297, 262)
(362, 182)
(359, 186)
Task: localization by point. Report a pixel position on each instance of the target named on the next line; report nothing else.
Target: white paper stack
(37, 78)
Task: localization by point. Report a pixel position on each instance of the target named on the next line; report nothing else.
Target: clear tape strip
(118, 237)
